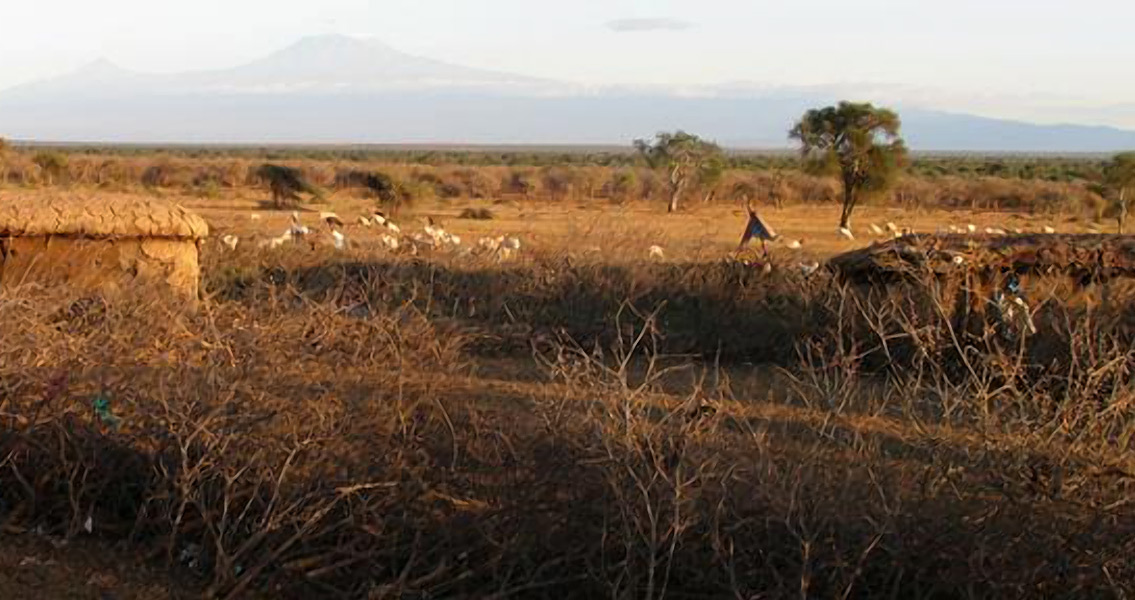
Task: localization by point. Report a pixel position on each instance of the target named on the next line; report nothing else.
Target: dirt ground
(621, 232)
(36, 566)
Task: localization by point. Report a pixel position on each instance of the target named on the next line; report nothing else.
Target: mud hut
(107, 243)
(975, 273)
(1086, 258)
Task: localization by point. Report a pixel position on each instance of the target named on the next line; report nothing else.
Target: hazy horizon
(1044, 62)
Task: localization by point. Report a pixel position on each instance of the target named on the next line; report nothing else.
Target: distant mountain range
(335, 89)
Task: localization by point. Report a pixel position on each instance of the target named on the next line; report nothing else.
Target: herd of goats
(287, 183)
(433, 237)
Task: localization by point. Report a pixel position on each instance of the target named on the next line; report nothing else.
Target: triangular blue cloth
(757, 228)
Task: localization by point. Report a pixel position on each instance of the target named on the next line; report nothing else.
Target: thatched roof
(97, 216)
(1079, 255)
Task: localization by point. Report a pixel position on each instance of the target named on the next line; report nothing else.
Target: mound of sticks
(1084, 257)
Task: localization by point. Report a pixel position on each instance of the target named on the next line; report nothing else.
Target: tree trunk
(848, 206)
(675, 189)
(1122, 210)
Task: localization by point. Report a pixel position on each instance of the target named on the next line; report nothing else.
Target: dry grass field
(583, 420)
(625, 233)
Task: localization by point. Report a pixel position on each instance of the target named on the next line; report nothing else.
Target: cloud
(637, 25)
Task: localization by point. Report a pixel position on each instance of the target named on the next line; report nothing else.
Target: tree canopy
(286, 183)
(858, 142)
(384, 187)
(684, 156)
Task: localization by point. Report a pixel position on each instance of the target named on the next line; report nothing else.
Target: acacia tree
(286, 184)
(1119, 177)
(52, 164)
(682, 155)
(391, 194)
(709, 175)
(858, 142)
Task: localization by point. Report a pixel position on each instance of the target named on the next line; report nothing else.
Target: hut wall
(107, 265)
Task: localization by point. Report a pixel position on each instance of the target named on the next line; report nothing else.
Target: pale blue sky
(1044, 60)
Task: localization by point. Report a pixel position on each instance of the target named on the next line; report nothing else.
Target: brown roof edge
(97, 216)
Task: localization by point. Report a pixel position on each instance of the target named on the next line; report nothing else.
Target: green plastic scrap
(101, 404)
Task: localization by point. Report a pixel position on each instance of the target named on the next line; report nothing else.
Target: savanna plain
(582, 417)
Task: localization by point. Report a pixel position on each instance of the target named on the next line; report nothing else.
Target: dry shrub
(711, 307)
(246, 439)
(522, 182)
(19, 169)
(559, 183)
(469, 183)
(702, 495)
(479, 214)
(313, 432)
(565, 178)
(621, 187)
(812, 190)
(166, 174)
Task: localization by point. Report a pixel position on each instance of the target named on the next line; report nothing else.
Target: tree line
(857, 143)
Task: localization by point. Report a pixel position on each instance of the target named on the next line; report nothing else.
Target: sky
(1047, 61)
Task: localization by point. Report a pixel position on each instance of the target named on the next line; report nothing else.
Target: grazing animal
(420, 239)
(390, 241)
(379, 218)
(230, 241)
(435, 231)
(297, 229)
(808, 269)
(338, 239)
(508, 246)
(276, 242)
(489, 244)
